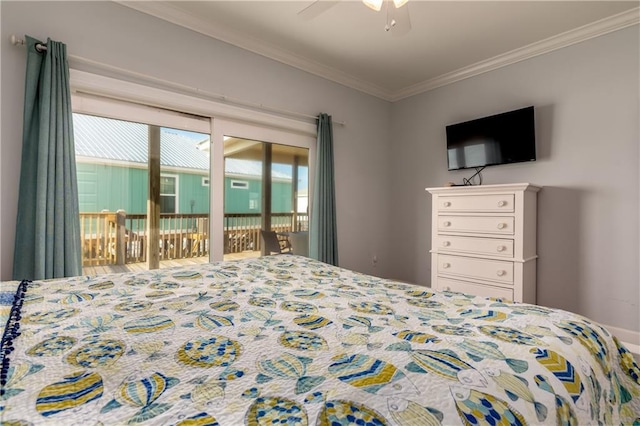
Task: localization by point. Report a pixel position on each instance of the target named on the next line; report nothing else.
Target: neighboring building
(243, 188)
(111, 158)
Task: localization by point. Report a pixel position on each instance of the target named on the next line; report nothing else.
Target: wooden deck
(121, 241)
(142, 266)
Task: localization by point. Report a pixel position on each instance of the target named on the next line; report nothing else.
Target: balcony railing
(121, 238)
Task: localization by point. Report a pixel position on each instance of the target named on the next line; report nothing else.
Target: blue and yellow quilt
(291, 341)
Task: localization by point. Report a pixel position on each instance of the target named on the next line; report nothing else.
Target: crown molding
(177, 16)
(577, 35)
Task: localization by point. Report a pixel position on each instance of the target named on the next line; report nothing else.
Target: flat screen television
(498, 139)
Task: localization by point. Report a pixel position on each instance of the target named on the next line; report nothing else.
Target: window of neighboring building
(168, 194)
(240, 184)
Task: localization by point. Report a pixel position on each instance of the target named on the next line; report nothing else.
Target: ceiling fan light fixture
(375, 4)
(399, 3)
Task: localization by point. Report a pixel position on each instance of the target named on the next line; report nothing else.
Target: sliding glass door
(161, 188)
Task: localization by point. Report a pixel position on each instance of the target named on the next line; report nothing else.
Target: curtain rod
(41, 47)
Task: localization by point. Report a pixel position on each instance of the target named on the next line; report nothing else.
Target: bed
(288, 340)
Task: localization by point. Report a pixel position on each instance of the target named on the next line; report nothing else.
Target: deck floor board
(142, 266)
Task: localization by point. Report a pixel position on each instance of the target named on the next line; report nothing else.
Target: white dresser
(483, 240)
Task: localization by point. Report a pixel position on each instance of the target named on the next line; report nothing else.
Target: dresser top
(485, 188)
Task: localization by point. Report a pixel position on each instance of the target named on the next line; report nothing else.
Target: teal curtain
(323, 235)
(48, 225)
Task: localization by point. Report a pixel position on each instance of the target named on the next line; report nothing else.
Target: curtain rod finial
(16, 41)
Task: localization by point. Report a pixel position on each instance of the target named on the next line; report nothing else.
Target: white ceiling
(448, 40)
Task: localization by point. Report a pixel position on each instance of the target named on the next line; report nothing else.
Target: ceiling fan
(396, 12)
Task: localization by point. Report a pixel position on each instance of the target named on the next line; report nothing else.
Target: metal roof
(119, 140)
(105, 138)
(252, 168)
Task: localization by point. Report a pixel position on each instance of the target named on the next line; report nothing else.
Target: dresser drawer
(469, 267)
(477, 203)
(481, 224)
(475, 245)
(446, 284)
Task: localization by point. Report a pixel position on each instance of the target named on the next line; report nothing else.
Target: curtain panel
(48, 224)
(323, 235)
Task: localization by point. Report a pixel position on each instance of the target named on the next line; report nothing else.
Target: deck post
(153, 200)
(294, 194)
(266, 190)
(121, 235)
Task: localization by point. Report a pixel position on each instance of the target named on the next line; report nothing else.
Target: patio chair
(272, 244)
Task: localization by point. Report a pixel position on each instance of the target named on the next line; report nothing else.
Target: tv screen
(498, 139)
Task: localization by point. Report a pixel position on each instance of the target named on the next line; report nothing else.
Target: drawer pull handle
(446, 265)
(502, 225)
(502, 248)
(447, 203)
(502, 203)
(446, 243)
(501, 273)
(447, 223)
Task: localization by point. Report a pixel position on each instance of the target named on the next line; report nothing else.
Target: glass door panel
(289, 180)
(262, 190)
(143, 194)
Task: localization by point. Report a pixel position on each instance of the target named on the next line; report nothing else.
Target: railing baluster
(92, 249)
(180, 241)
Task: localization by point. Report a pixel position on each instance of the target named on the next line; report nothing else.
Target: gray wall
(586, 99)
(116, 35)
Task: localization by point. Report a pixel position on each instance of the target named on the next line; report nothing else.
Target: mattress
(289, 340)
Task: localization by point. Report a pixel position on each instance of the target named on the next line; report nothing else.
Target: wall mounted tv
(498, 139)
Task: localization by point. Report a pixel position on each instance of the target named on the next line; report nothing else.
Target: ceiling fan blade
(402, 18)
(316, 8)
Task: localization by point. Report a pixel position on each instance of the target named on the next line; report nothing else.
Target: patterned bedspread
(288, 340)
